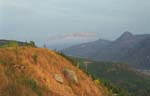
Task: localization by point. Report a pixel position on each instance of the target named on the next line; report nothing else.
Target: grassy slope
(120, 74)
(26, 71)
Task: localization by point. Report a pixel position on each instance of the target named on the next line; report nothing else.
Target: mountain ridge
(124, 49)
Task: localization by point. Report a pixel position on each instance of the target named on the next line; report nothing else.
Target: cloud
(75, 35)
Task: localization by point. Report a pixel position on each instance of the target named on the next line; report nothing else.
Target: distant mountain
(87, 49)
(128, 48)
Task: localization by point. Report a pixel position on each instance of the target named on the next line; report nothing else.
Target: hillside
(27, 71)
(128, 48)
(122, 75)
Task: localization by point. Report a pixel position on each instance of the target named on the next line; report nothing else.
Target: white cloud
(75, 35)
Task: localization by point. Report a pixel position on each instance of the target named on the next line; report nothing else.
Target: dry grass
(20, 76)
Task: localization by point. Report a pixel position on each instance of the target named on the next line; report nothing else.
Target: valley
(134, 81)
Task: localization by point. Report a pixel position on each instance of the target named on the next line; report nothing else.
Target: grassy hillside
(122, 75)
(27, 71)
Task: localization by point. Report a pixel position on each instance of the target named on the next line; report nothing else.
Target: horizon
(56, 47)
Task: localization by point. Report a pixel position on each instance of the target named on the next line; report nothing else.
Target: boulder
(58, 78)
(70, 75)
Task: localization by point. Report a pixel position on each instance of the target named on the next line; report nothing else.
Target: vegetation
(32, 43)
(33, 85)
(121, 79)
(116, 78)
(35, 57)
(114, 88)
(12, 43)
(19, 76)
(121, 76)
(110, 86)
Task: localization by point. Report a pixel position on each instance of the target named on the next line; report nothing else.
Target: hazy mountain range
(128, 48)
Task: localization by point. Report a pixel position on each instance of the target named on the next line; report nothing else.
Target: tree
(32, 43)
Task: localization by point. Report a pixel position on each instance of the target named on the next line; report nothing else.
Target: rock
(58, 78)
(71, 75)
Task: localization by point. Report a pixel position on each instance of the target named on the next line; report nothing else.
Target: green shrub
(33, 85)
(9, 44)
(1, 61)
(11, 90)
(32, 43)
(114, 88)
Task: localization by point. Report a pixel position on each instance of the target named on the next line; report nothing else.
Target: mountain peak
(126, 35)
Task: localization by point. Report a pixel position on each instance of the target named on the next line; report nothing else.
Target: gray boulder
(70, 75)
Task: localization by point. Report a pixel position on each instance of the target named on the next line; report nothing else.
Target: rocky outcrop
(70, 75)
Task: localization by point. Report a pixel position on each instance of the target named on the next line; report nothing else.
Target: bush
(115, 89)
(16, 49)
(68, 58)
(97, 82)
(1, 61)
(32, 43)
(11, 90)
(35, 57)
(10, 44)
(33, 85)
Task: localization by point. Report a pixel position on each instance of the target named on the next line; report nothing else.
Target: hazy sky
(65, 20)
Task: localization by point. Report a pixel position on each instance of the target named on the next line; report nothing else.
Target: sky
(65, 21)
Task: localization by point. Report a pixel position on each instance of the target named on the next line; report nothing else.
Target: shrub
(97, 82)
(68, 58)
(10, 44)
(32, 43)
(1, 61)
(11, 90)
(33, 85)
(35, 57)
(16, 49)
(115, 89)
